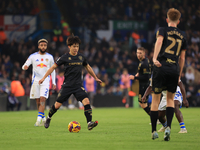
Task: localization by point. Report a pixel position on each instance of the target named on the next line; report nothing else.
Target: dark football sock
(169, 115)
(147, 109)
(52, 111)
(88, 112)
(154, 118)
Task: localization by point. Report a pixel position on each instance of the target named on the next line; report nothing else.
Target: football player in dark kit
(168, 59)
(143, 75)
(73, 62)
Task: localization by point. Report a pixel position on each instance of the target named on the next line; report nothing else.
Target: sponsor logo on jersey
(42, 59)
(80, 57)
(170, 61)
(41, 65)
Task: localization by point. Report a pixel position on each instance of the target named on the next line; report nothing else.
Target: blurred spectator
(136, 37)
(35, 10)
(195, 39)
(191, 97)
(57, 37)
(125, 84)
(13, 102)
(117, 36)
(90, 87)
(189, 75)
(59, 80)
(129, 10)
(3, 36)
(17, 88)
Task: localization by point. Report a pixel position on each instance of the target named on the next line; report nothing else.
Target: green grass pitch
(118, 129)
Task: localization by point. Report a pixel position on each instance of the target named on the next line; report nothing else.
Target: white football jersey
(40, 64)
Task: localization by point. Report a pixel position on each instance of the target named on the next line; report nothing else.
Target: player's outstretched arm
(91, 72)
(147, 92)
(27, 63)
(185, 102)
(48, 73)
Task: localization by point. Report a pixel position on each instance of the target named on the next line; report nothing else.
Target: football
(74, 126)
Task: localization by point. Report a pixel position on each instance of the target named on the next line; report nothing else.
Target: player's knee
(57, 105)
(85, 101)
(42, 101)
(143, 105)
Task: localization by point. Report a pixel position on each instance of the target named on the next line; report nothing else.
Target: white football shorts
(38, 91)
(163, 102)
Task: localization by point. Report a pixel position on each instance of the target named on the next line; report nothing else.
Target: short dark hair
(73, 40)
(173, 14)
(141, 48)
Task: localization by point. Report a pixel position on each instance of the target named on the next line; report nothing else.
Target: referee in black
(73, 62)
(143, 75)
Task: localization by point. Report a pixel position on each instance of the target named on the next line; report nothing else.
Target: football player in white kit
(41, 61)
(178, 99)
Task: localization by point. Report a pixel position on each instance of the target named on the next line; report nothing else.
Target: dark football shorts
(142, 89)
(65, 92)
(164, 78)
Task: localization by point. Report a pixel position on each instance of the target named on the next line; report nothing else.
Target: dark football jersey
(73, 68)
(174, 41)
(144, 70)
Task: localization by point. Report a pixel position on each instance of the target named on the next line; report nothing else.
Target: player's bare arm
(48, 73)
(147, 92)
(158, 46)
(181, 62)
(25, 67)
(182, 88)
(132, 77)
(137, 74)
(91, 72)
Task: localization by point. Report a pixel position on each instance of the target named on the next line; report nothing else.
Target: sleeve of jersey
(144, 76)
(28, 62)
(53, 74)
(59, 61)
(85, 61)
(160, 32)
(184, 45)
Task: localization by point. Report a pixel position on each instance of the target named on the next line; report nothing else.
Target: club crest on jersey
(80, 57)
(69, 58)
(32, 95)
(47, 59)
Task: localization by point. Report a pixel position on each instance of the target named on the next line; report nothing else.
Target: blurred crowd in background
(108, 58)
(18, 7)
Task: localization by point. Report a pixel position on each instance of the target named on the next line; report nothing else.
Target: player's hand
(131, 77)
(143, 99)
(157, 63)
(186, 104)
(98, 80)
(54, 87)
(25, 67)
(41, 81)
